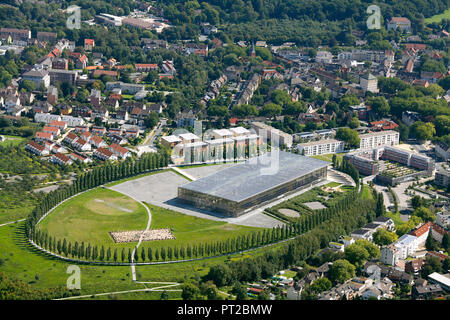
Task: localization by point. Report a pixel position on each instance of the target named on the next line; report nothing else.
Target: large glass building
(236, 189)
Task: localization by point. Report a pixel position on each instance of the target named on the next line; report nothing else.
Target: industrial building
(235, 190)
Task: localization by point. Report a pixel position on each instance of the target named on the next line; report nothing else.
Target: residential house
(104, 154)
(77, 156)
(61, 159)
(385, 222)
(89, 44)
(423, 289)
(98, 131)
(81, 144)
(98, 142)
(38, 77)
(119, 151)
(362, 234)
(402, 23)
(36, 148)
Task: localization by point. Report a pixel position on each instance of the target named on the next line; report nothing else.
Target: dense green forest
(238, 11)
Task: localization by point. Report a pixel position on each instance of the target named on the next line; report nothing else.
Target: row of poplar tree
(88, 252)
(94, 178)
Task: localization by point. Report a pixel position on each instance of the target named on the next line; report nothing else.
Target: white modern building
(405, 246)
(46, 117)
(315, 148)
(275, 136)
(378, 139)
(443, 219)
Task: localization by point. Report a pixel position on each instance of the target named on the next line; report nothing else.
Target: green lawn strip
(111, 184)
(9, 215)
(180, 272)
(144, 295)
(366, 193)
(333, 184)
(86, 218)
(12, 140)
(328, 157)
(192, 230)
(438, 17)
(396, 217)
(24, 262)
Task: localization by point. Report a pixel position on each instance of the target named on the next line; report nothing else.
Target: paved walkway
(133, 268)
(183, 173)
(160, 288)
(5, 224)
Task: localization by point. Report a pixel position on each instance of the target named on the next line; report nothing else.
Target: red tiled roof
(89, 41)
(36, 145)
(421, 230)
(51, 129)
(105, 72)
(57, 123)
(96, 139)
(118, 148)
(62, 157)
(145, 65)
(104, 151)
(43, 135)
(400, 19)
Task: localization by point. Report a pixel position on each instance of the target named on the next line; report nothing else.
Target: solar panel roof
(256, 175)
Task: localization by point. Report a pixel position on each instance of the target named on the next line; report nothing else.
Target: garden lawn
(90, 217)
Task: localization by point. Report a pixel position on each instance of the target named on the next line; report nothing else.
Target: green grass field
(438, 17)
(12, 141)
(8, 215)
(22, 261)
(366, 193)
(90, 217)
(192, 230)
(396, 217)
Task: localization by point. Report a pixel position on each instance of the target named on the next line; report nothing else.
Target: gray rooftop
(255, 176)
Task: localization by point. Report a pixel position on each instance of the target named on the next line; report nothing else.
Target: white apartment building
(272, 134)
(405, 246)
(46, 117)
(315, 148)
(72, 121)
(369, 82)
(443, 219)
(379, 139)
